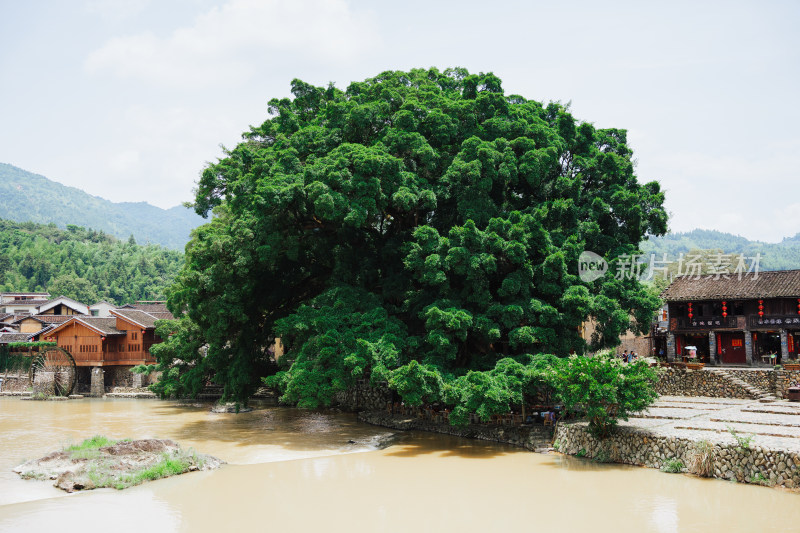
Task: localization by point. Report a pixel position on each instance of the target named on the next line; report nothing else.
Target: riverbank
(531, 436)
(732, 439)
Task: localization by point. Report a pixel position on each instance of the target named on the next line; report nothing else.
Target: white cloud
(227, 45)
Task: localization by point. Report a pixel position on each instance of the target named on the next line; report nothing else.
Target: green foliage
(143, 369)
(180, 359)
(760, 479)
(28, 197)
(605, 389)
(36, 344)
(82, 264)
(672, 466)
(171, 464)
(581, 453)
(743, 442)
(419, 228)
(94, 443)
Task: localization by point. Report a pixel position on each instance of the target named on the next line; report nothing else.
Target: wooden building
(124, 339)
(753, 319)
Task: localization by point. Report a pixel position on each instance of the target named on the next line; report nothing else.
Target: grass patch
(95, 443)
(88, 449)
(702, 461)
(33, 475)
(742, 441)
(170, 465)
(672, 466)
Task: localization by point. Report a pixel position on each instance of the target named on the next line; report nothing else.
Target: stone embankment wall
(15, 382)
(785, 379)
(679, 382)
(727, 460)
(531, 437)
(364, 397)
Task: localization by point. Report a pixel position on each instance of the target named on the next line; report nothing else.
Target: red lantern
(690, 311)
(798, 306)
(724, 309)
(761, 308)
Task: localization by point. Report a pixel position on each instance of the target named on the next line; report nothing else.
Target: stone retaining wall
(531, 437)
(15, 382)
(785, 379)
(758, 464)
(364, 397)
(763, 378)
(680, 382)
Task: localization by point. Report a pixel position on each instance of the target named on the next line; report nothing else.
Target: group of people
(628, 357)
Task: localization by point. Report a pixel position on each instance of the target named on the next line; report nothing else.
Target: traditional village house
(19, 303)
(101, 309)
(63, 306)
(752, 319)
(111, 346)
(650, 344)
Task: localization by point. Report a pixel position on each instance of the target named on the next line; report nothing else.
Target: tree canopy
(419, 228)
(83, 264)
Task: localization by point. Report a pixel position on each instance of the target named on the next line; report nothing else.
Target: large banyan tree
(418, 228)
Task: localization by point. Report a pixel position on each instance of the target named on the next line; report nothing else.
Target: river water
(292, 470)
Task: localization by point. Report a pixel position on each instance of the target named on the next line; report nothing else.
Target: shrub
(672, 466)
(605, 389)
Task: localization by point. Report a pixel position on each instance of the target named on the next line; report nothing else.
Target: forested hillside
(28, 197)
(784, 255)
(83, 264)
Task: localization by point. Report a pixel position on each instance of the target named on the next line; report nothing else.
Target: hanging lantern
(798, 306)
(790, 342)
(690, 311)
(724, 309)
(761, 308)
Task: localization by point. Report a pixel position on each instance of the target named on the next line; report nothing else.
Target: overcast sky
(128, 99)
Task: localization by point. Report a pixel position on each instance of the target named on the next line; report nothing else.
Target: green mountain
(83, 264)
(784, 255)
(28, 197)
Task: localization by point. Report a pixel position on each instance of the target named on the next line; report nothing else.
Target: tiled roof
(148, 307)
(53, 319)
(771, 284)
(106, 325)
(64, 300)
(146, 320)
(13, 303)
(6, 338)
(4, 316)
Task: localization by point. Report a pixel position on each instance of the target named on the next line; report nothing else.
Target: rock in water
(120, 464)
(230, 407)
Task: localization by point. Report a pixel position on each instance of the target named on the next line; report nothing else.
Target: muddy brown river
(292, 470)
